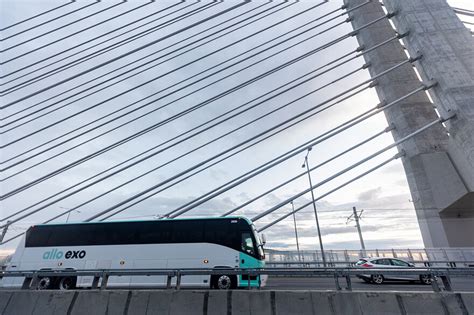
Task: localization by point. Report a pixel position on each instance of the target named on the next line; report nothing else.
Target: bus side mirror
(264, 240)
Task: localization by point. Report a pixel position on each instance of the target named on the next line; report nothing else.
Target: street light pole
(356, 218)
(4, 232)
(306, 164)
(296, 232)
(69, 213)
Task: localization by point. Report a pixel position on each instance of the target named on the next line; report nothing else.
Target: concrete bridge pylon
(439, 163)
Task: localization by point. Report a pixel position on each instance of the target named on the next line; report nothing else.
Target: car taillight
(366, 265)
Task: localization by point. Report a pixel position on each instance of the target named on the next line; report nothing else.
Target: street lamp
(296, 232)
(306, 164)
(69, 212)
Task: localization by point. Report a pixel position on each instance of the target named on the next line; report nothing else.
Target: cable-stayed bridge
(109, 108)
(118, 111)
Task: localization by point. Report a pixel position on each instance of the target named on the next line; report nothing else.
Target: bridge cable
(343, 36)
(109, 48)
(213, 157)
(285, 128)
(233, 89)
(397, 156)
(349, 90)
(48, 21)
(91, 40)
(187, 132)
(241, 106)
(69, 210)
(52, 31)
(144, 131)
(73, 34)
(234, 153)
(261, 140)
(311, 169)
(226, 134)
(362, 161)
(175, 69)
(142, 106)
(141, 71)
(264, 167)
(281, 204)
(35, 16)
(126, 72)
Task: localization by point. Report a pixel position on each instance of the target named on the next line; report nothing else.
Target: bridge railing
(419, 263)
(435, 256)
(101, 276)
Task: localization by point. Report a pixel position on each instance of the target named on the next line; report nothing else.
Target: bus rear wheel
(224, 282)
(67, 283)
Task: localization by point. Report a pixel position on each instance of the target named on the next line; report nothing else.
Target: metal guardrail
(102, 275)
(425, 263)
(413, 254)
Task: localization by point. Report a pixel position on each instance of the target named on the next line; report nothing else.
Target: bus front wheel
(224, 282)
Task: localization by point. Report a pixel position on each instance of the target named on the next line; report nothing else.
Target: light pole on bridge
(306, 164)
(296, 232)
(69, 212)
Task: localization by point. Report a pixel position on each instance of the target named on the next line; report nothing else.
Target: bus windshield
(259, 245)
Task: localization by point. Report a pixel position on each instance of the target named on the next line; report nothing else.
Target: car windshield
(361, 262)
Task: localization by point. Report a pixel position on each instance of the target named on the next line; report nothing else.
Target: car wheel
(44, 283)
(67, 283)
(377, 279)
(426, 279)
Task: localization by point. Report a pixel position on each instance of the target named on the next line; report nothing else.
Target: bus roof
(163, 219)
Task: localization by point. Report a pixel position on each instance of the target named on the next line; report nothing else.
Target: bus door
(247, 259)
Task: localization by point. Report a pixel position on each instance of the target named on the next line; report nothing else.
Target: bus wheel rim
(44, 283)
(66, 283)
(224, 282)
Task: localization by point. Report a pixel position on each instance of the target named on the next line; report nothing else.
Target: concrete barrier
(245, 302)
(31, 302)
(4, 300)
(289, 303)
(468, 300)
(136, 302)
(376, 303)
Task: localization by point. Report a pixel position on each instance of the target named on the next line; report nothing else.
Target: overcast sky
(31, 50)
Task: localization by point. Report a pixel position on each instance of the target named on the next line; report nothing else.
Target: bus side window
(247, 243)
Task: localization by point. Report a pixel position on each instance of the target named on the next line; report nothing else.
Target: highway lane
(293, 283)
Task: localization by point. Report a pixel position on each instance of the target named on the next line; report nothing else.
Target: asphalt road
(280, 283)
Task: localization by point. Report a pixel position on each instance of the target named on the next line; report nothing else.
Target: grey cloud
(370, 194)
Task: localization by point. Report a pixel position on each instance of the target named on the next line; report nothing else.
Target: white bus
(220, 243)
